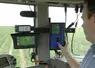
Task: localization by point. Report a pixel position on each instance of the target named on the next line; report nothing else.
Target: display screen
(57, 32)
(25, 41)
(3, 62)
(55, 29)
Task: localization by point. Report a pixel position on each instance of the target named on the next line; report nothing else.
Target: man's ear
(93, 18)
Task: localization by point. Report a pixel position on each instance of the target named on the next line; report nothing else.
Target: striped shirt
(89, 59)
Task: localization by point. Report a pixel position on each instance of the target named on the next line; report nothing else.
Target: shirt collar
(93, 49)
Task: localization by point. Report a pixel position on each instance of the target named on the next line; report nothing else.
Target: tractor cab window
(9, 17)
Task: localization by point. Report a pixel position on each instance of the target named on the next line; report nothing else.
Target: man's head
(89, 21)
(90, 7)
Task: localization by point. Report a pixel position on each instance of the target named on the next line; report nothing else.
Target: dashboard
(7, 61)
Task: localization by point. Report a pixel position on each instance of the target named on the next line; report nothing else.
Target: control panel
(57, 35)
(7, 61)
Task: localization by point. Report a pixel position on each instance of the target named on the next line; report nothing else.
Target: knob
(57, 39)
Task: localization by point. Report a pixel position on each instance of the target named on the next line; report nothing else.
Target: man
(89, 30)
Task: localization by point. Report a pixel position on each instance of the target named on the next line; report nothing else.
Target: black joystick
(57, 39)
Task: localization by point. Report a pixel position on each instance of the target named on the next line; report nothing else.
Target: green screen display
(25, 40)
(55, 29)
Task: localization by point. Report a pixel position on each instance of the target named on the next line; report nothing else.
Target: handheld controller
(57, 35)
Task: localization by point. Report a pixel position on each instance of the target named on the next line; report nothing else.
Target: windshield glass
(9, 17)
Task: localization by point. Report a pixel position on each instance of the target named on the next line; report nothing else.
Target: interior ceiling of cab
(36, 1)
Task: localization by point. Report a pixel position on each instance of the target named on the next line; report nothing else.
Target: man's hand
(71, 61)
(63, 49)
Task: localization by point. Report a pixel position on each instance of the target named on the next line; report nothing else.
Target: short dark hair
(90, 7)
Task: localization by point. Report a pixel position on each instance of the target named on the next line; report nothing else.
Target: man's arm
(71, 61)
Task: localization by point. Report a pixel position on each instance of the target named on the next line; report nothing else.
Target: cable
(72, 44)
(73, 37)
(58, 53)
(66, 22)
(33, 56)
(81, 8)
(30, 7)
(76, 10)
